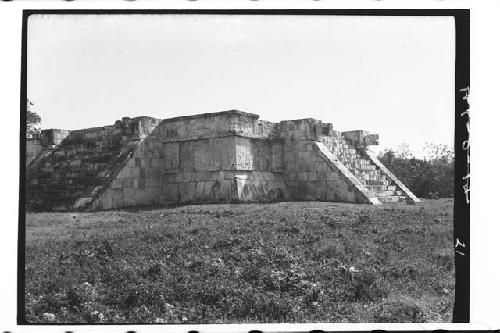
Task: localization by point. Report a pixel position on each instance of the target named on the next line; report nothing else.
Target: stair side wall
(33, 149)
(362, 195)
(139, 180)
(201, 159)
(75, 166)
(412, 198)
(313, 174)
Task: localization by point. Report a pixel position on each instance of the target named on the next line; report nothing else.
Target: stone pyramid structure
(228, 156)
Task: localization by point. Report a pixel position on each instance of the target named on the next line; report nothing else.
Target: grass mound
(284, 262)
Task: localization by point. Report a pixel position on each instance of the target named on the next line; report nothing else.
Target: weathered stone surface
(229, 156)
(72, 164)
(370, 140)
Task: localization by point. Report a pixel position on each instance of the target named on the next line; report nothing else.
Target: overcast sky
(389, 75)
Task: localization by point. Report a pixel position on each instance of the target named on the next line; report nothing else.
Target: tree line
(429, 177)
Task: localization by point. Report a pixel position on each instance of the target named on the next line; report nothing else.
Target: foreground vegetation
(432, 176)
(284, 262)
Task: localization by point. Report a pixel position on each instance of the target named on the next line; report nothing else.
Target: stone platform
(228, 156)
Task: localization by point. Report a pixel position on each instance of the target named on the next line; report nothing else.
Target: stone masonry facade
(228, 156)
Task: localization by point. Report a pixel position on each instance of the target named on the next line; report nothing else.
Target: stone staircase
(69, 171)
(81, 165)
(369, 174)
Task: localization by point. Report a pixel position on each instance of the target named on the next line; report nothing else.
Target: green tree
(33, 121)
(430, 177)
(438, 153)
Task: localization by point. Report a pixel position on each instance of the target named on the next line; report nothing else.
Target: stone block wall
(200, 159)
(75, 166)
(310, 175)
(33, 149)
(229, 156)
(258, 154)
(52, 137)
(216, 125)
(307, 174)
(139, 181)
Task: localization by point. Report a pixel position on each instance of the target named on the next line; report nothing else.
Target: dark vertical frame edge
(461, 211)
(21, 319)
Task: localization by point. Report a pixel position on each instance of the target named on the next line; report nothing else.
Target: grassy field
(283, 262)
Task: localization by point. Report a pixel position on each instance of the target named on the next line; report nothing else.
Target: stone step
(67, 174)
(367, 167)
(381, 187)
(367, 176)
(370, 173)
(365, 172)
(377, 182)
(372, 178)
(361, 161)
(392, 199)
(350, 151)
(387, 193)
(347, 159)
(384, 193)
